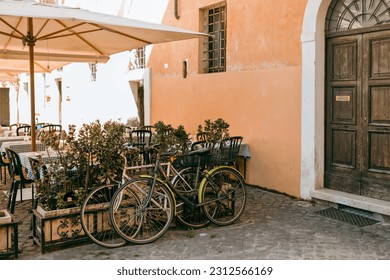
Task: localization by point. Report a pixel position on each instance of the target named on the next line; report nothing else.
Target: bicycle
(220, 195)
(94, 212)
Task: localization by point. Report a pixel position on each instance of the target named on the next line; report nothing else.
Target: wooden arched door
(357, 144)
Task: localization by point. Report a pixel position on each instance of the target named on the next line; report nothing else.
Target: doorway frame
(144, 75)
(313, 116)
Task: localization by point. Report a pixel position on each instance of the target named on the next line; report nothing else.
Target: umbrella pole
(31, 43)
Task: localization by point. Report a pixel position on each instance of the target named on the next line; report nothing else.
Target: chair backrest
(230, 148)
(200, 144)
(147, 127)
(52, 127)
(47, 128)
(232, 143)
(141, 136)
(15, 165)
(3, 161)
(23, 130)
(14, 126)
(12, 165)
(127, 133)
(40, 125)
(202, 136)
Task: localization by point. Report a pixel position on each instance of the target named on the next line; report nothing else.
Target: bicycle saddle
(200, 151)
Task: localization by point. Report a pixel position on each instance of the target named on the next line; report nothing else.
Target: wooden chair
(40, 125)
(141, 137)
(127, 133)
(23, 130)
(202, 136)
(230, 148)
(14, 126)
(48, 128)
(19, 179)
(147, 127)
(200, 144)
(3, 166)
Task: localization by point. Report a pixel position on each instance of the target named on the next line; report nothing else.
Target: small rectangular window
(137, 59)
(214, 48)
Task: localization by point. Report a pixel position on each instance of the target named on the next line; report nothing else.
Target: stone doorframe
(313, 116)
(313, 100)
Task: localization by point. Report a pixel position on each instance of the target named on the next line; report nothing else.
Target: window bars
(214, 48)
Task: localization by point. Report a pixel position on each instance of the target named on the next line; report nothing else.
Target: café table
(21, 146)
(245, 154)
(5, 131)
(26, 158)
(11, 139)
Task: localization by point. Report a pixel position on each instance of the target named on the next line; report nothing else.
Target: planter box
(8, 235)
(57, 228)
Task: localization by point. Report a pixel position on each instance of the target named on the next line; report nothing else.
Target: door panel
(376, 115)
(343, 110)
(358, 114)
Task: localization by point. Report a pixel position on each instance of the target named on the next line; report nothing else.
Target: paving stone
(273, 226)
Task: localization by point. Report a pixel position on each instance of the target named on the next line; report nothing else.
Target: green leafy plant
(215, 130)
(171, 138)
(82, 161)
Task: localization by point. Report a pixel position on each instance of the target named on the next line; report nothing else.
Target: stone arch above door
(354, 14)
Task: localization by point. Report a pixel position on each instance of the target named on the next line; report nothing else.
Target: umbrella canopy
(8, 77)
(15, 62)
(72, 31)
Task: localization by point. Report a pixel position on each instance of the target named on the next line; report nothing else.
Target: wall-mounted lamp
(185, 64)
(93, 69)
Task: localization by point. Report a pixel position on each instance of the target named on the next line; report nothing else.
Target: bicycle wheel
(95, 217)
(223, 194)
(187, 215)
(142, 223)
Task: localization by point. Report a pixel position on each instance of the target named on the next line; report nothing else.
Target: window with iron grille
(214, 48)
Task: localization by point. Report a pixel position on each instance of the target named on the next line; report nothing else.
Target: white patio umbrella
(74, 32)
(15, 62)
(8, 77)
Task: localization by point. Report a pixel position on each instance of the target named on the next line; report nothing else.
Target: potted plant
(170, 137)
(78, 163)
(8, 234)
(5, 217)
(214, 130)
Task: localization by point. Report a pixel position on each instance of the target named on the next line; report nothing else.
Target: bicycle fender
(203, 182)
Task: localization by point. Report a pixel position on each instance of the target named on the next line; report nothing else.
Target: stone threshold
(353, 200)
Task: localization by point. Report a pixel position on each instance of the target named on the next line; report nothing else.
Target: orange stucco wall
(260, 93)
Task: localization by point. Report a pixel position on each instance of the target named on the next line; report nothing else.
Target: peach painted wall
(259, 94)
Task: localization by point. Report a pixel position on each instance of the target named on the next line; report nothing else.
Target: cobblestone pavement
(273, 227)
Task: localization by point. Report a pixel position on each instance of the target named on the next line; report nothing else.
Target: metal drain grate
(347, 217)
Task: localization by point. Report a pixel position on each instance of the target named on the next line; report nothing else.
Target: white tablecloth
(11, 139)
(25, 158)
(21, 146)
(244, 151)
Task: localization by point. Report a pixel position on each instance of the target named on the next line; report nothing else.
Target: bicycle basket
(185, 161)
